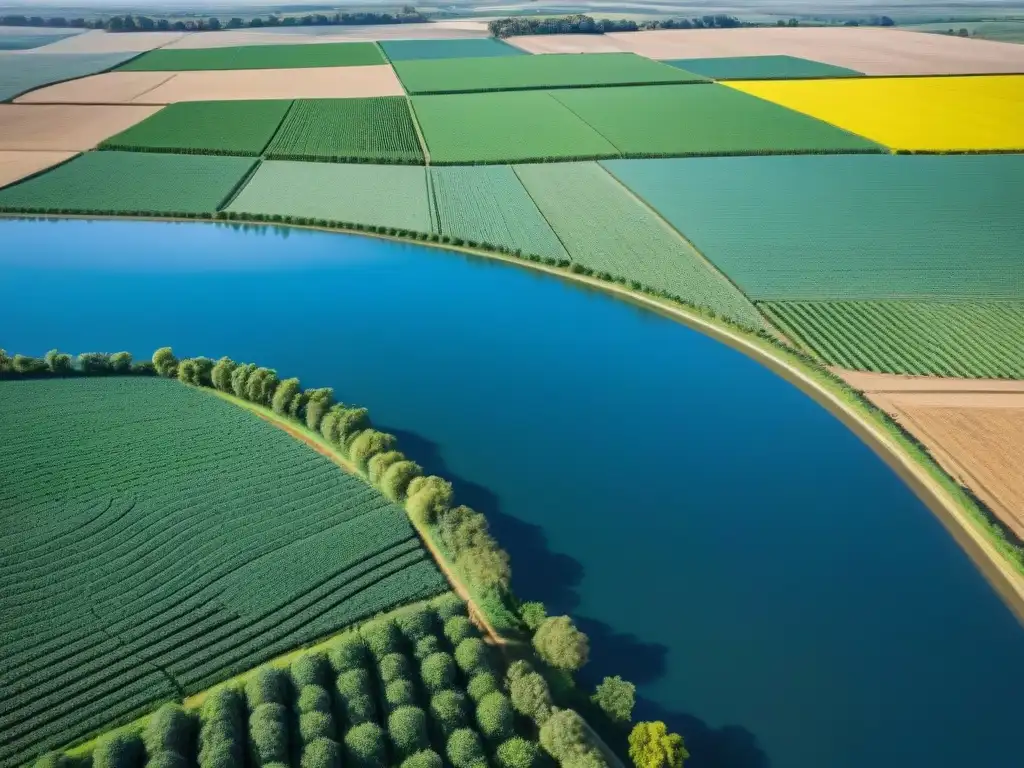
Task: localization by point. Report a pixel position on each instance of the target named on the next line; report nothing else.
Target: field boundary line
(153, 88)
(419, 131)
(242, 183)
(277, 129)
(542, 214)
(578, 117)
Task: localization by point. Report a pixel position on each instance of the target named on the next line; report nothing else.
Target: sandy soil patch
(17, 165)
(329, 34)
(567, 44)
(872, 51)
(309, 83)
(108, 88)
(98, 41)
(64, 127)
(974, 429)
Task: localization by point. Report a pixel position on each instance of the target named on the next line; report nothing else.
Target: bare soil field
(64, 127)
(98, 41)
(15, 166)
(331, 34)
(873, 51)
(310, 83)
(974, 429)
(108, 88)
(567, 44)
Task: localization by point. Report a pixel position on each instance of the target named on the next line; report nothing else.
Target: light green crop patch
(257, 57)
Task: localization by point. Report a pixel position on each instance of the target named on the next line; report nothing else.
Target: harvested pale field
(22, 71)
(64, 127)
(868, 382)
(308, 83)
(99, 41)
(332, 34)
(567, 44)
(976, 434)
(15, 166)
(872, 51)
(916, 114)
(108, 88)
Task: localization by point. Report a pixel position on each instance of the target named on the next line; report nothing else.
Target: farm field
(64, 127)
(378, 129)
(107, 88)
(488, 204)
(702, 120)
(405, 50)
(29, 39)
(566, 44)
(937, 114)
(873, 51)
(205, 127)
(514, 73)
(22, 71)
(932, 338)
(504, 127)
(606, 228)
(378, 195)
(847, 226)
(761, 68)
(131, 613)
(332, 34)
(100, 41)
(314, 83)
(259, 57)
(134, 182)
(15, 166)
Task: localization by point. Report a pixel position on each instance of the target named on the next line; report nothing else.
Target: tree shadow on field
(537, 572)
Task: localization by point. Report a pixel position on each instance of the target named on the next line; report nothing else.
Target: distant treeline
(57, 363)
(136, 23)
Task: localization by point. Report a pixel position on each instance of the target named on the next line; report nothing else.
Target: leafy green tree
(517, 752)
(471, 656)
(448, 605)
(347, 653)
(425, 647)
(395, 481)
(165, 362)
(311, 669)
(222, 732)
(481, 684)
(366, 746)
(426, 758)
(268, 733)
(318, 402)
(561, 644)
(260, 386)
(187, 372)
(169, 729)
(58, 362)
(399, 693)
(297, 407)
(240, 379)
(360, 709)
(381, 638)
(368, 444)
(380, 463)
(407, 727)
(529, 693)
(268, 685)
(458, 628)
(315, 725)
(118, 749)
(121, 362)
(321, 753)
(617, 698)
(204, 370)
(533, 615)
(26, 365)
(353, 682)
(495, 717)
(220, 375)
(351, 421)
(428, 498)
(283, 395)
(438, 671)
(652, 746)
(564, 736)
(329, 424)
(464, 749)
(449, 710)
(313, 697)
(417, 623)
(94, 363)
(6, 364)
(394, 666)
(487, 566)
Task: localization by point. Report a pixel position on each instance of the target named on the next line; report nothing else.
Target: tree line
(60, 364)
(582, 24)
(136, 23)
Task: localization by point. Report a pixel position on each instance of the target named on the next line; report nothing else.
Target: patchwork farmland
(258, 57)
(407, 50)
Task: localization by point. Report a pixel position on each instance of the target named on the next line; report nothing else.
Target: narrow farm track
(190, 550)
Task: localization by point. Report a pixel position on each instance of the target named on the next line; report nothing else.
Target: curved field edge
(974, 527)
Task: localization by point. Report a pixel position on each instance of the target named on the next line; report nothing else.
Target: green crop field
(848, 227)
(703, 120)
(378, 195)
(130, 182)
(407, 50)
(353, 130)
(205, 127)
(762, 68)
(158, 540)
(488, 204)
(514, 73)
(26, 71)
(606, 228)
(257, 57)
(975, 339)
(504, 127)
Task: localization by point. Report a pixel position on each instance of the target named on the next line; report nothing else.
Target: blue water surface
(776, 592)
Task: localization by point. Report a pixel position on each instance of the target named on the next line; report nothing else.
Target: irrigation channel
(776, 592)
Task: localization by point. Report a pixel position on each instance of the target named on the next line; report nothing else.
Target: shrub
(616, 697)
(394, 666)
(283, 396)
(517, 752)
(359, 709)
(240, 379)
(368, 444)
(530, 695)
(438, 671)
(426, 758)
(222, 731)
(366, 746)
(311, 669)
(169, 729)
(220, 374)
(449, 710)
(471, 656)
(407, 727)
(51, 760)
(268, 733)
(318, 402)
(427, 498)
(166, 760)
(118, 749)
(380, 464)
(381, 638)
(315, 725)
(94, 363)
(267, 685)
(652, 746)
(321, 753)
(347, 653)
(351, 421)
(458, 628)
(165, 362)
(417, 623)
(495, 717)
(560, 644)
(395, 482)
(449, 605)
(482, 684)
(426, 646)
(533, 615)
(464, 748)
(399, 693)
(187, 371)
(314, 698)
(58, 362)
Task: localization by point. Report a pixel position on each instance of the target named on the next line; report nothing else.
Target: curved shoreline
(1005, 578)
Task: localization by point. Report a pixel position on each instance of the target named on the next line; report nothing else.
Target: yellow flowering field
(935, 114)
